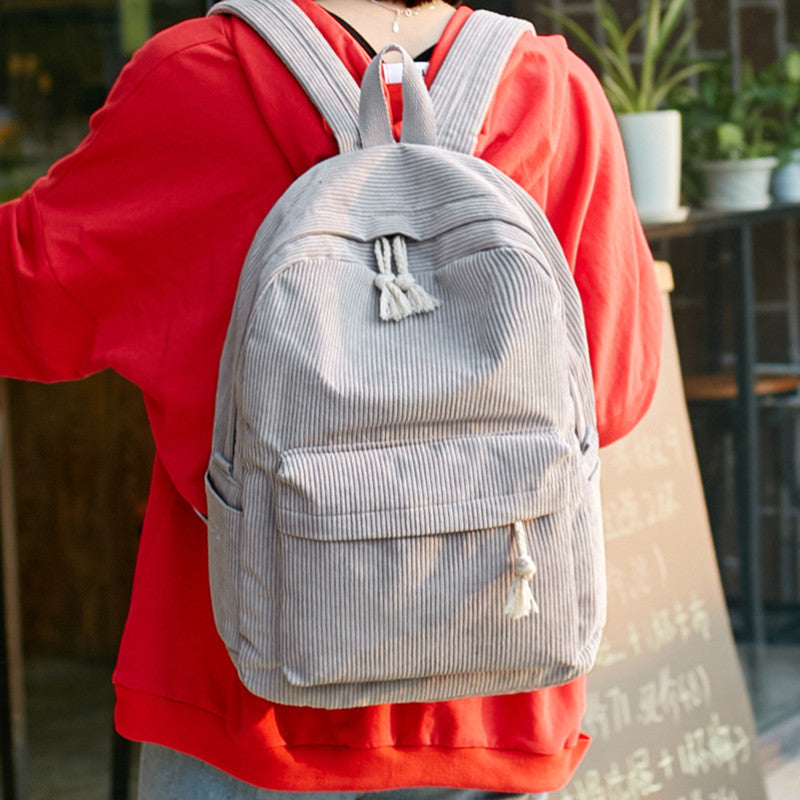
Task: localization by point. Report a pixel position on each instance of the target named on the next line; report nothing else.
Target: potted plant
(784, 76)
(728, 132)
(651, 133)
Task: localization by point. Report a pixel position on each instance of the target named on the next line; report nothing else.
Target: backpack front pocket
(397, 560)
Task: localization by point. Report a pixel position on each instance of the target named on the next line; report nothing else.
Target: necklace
(403, 12)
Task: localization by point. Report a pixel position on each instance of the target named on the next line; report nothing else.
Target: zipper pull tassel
(520, 601)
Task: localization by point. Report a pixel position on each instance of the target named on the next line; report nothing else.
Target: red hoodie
(126, 255)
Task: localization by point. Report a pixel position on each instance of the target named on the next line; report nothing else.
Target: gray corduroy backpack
(403, 493)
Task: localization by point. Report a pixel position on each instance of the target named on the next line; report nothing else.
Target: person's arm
(45, 333)
(113, 259)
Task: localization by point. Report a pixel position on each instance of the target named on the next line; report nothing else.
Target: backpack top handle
(374, 115)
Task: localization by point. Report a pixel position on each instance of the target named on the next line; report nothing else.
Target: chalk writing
(633, 511)
(714, 746)
(668, 697)
(638, 576)
(648, 451)
(633, 779)
(722, 793)
(607, 713)
(666, 763)
(663, 628)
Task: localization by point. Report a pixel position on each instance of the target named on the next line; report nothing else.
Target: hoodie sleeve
(112, 257)
(593, 212)
(45, 333)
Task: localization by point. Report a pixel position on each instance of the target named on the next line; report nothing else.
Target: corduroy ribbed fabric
(367, 474)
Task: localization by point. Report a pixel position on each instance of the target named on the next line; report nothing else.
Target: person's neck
(379, 22)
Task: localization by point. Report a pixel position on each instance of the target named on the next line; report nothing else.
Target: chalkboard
(667, 705)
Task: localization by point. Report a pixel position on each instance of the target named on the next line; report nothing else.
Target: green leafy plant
(781, 80)
(724, 123)
(665, 44)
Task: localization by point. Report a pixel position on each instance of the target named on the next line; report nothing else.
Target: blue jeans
(165, 774)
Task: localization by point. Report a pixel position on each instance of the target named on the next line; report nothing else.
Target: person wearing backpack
(128, 255)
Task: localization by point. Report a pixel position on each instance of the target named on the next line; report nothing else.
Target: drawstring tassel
(394, 304)
(520, 601)
(401, 295)
(421, 302)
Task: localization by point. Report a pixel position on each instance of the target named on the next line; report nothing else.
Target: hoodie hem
(311, 768)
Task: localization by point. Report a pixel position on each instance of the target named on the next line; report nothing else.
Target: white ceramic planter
(652, 142)
(740, 185)
(786, 180)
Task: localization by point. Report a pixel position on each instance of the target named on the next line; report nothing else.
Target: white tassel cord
(394, 304)
(401, 295)
(421, 301)
(520, 601)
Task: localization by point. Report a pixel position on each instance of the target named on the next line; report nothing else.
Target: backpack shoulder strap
(461, 93)
(312, 61)
(463, 89)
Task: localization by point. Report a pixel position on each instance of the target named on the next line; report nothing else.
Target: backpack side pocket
(225, 521)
